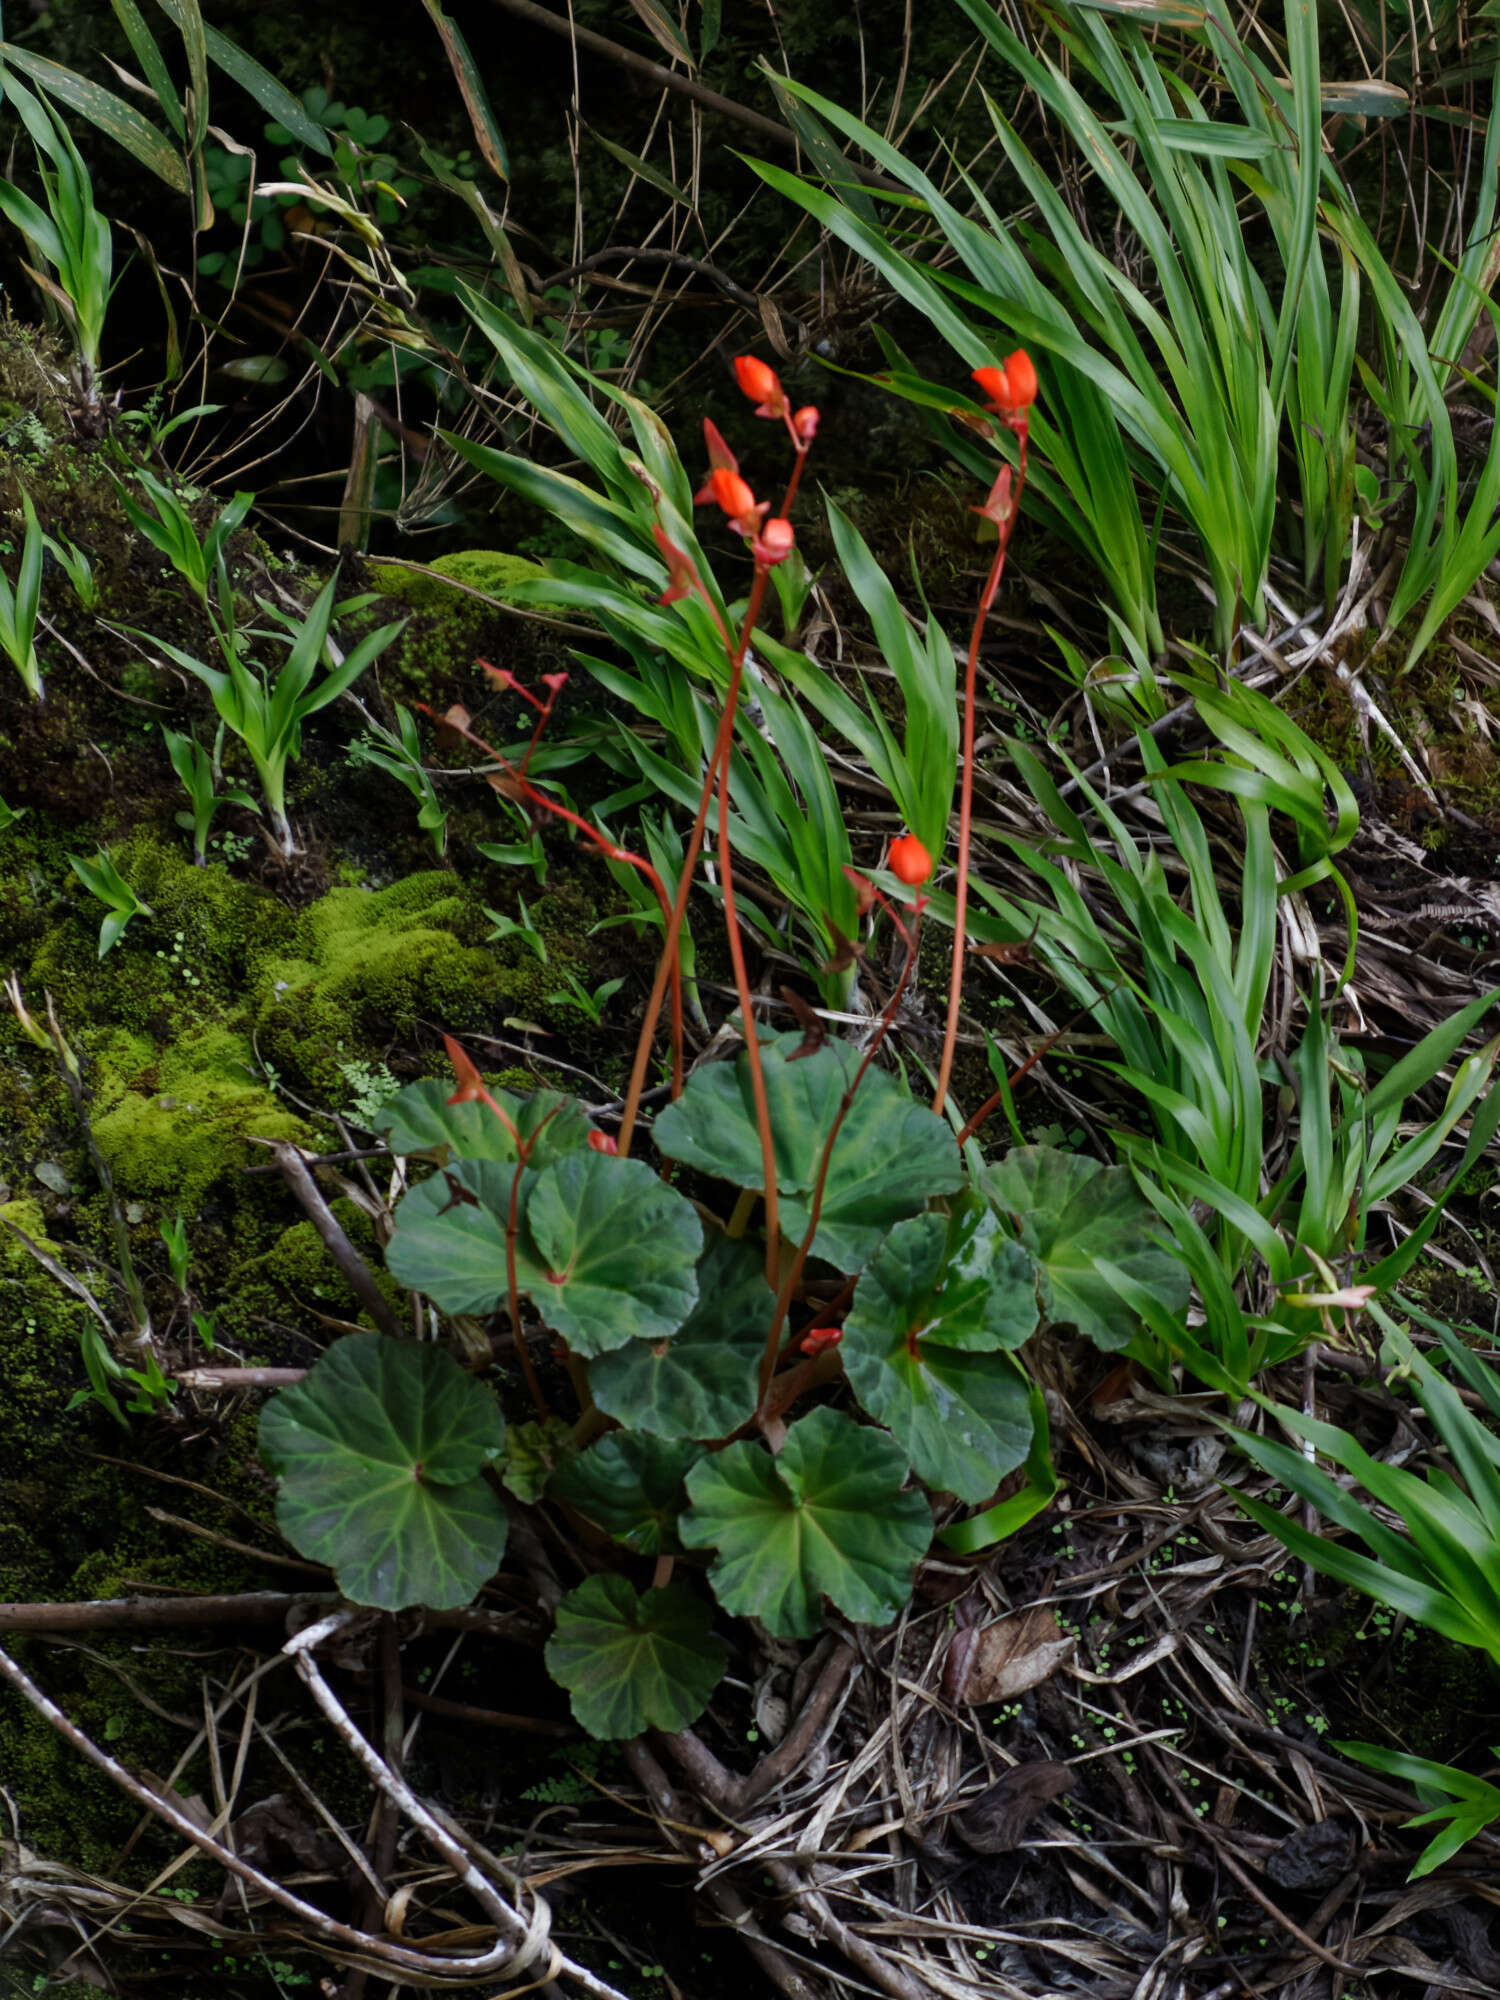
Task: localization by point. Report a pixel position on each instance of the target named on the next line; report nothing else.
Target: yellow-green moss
(367, 966)
(297, 1270)
(186, 1115)
(490, 570)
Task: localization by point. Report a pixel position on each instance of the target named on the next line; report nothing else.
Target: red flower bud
(818, 1339)
(604, 1142)
(731, 493)
(997, 507)
(557, 682)
(761, 384)
(718, 452)
(775, 542)
(805, 423)
(1022, 378)
(996, 386)
(909, 860)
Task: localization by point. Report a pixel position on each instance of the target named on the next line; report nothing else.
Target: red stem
(752, 1040)
(799, 1262)
(717, 761)
(966, 783)
(670, 963)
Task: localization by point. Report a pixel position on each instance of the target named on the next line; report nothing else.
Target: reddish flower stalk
(793, 1278)
(996, 1098)
(1010, 391)
(472, 1090)
(671, 965)
(802, 427)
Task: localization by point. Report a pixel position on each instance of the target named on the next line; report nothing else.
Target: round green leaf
(379, 1453)
(701, 1383)
(616, 1250)
(826, 1517)
(419, 1119)
(1075, 1214)
(960, 1411)
(533, 1452)
(634, 1662)
(449, 1239)
(630, 1486)
(891, 1155)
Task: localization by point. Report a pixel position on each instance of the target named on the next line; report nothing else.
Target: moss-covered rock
(447, 581)
(365, 966)
(187, 1113)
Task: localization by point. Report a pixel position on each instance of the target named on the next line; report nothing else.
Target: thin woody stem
(966, 786)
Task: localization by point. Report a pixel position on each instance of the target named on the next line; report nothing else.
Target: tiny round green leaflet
(630, 1486)
(826, 1517)
(891, 1155)
(419, 1119)
(940, 1295)
(634, 1662)
(1075, 1215)
(701, 1383)
(379, 1453)
(606, 1249)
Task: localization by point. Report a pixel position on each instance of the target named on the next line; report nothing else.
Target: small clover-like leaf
(379, 1452)
(826, 1517)
(616, 1251)
(890, 1157)
(634, 1662)
(939, 1296)
(702, 1382)
(1078, 1215)
(630, 1486)
(419, 1119)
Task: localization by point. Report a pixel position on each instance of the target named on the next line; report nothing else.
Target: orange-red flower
(805, 423)
(728, 491)
(761, 384)
(1023, 383)
(604, 1142)
(775, 542)
(1010, 390)
(909, 860)
(731, 492)
(995, 384)
(818, 1339)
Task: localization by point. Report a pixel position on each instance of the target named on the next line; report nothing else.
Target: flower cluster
(1010, 390)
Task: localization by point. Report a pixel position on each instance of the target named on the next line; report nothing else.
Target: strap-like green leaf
(112, 115)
